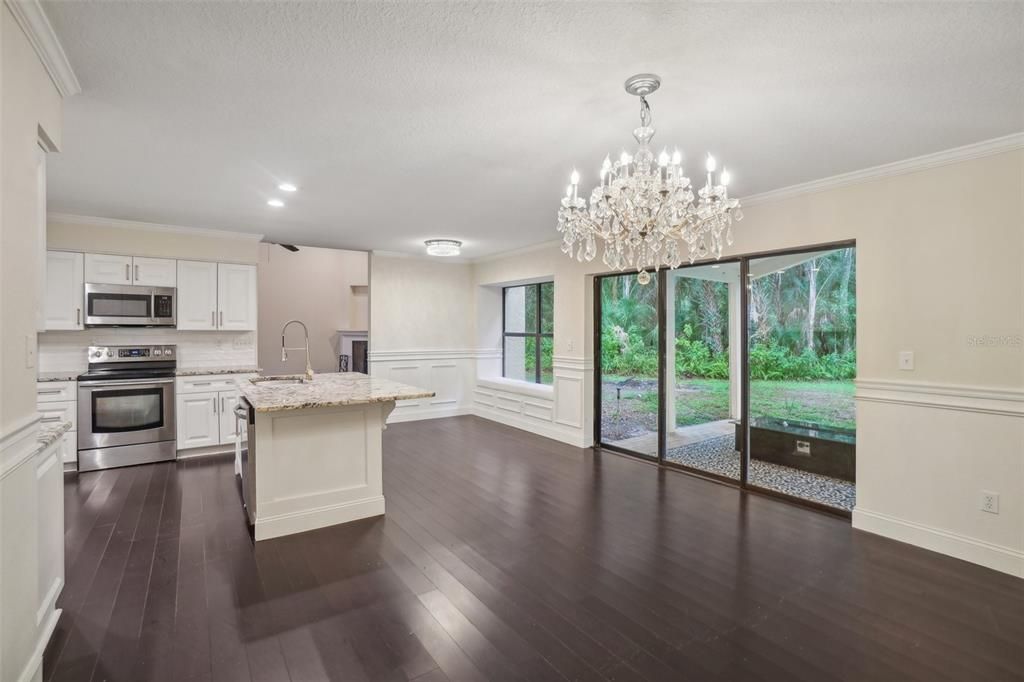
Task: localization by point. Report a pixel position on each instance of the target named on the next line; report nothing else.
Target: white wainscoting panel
(450, 373)
(926, 451)
(561, 411)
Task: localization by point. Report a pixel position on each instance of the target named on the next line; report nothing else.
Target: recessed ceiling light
(276, 203)
(443, 247)
(287, 187)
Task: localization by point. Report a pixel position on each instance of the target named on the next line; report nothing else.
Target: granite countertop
(198, 371)
(68, 375)
(327, 390)
(50, 433)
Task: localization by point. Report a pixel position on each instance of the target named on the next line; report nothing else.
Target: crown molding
(967, 152)
(149, 227)
(33, 21)
(543, 246)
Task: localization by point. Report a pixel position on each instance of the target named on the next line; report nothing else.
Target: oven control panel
(131, 353)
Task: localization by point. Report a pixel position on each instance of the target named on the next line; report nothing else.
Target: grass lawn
(826, 403)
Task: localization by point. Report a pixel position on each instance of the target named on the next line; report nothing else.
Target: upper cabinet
(197, 295)
(62, 307)
(236, 296)
(154, 272)
(209, 295)
(101, 268)
(216, 296)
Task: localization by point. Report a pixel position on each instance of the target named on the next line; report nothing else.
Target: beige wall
(94, 235)
(30, 104)
(30, 108)
(313, 285)
(420, 304)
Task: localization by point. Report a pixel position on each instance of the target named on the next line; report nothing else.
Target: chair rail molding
(33, 21)
(18, 444)
(1007, 402)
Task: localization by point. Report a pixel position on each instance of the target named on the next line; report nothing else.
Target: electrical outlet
(803, 448)
(989, 502)
(907, 360)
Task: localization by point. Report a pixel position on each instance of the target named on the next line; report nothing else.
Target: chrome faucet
(284, 350)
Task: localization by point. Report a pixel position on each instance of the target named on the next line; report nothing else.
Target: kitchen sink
(282, 380)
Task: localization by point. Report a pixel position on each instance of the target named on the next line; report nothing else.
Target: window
(528, 332)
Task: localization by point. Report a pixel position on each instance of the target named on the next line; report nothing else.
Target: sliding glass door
(628, 386)
(740, 370)
(802, 354)
(702, 407)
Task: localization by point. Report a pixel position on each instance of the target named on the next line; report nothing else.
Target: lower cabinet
(57, 403)
(206, 417)
(198, 422)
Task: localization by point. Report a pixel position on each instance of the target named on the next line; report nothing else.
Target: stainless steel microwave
(123, 305)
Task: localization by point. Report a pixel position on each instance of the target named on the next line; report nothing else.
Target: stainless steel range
(126, 406)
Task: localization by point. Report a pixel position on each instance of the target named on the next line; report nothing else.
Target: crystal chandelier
(645, 208)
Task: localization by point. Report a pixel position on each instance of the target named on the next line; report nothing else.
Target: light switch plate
(30, 351)
(906, 360)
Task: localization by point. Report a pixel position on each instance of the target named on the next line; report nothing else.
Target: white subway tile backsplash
(65, 350)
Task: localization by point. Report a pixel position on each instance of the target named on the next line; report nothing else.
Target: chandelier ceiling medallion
(645, 208)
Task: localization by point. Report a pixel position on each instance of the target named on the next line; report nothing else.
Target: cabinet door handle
(78, 316)
(201, 383)
(127, 272)
(222, 318)
(213, 318)
(50, 419)
(51, 391)
(136, 273)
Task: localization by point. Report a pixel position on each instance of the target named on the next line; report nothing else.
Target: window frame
(537, 335)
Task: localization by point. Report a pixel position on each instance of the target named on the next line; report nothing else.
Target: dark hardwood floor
(505, 556)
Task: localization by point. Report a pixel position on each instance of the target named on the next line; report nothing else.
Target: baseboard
(33, 670)
(207, 451)
(996, 557)
(310, 519)
(563, 434)
(412, 414)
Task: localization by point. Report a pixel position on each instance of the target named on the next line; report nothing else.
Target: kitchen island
(314, 449)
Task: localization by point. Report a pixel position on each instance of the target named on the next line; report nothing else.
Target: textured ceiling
(404, 121)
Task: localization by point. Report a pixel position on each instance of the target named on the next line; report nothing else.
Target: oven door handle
(126, 382)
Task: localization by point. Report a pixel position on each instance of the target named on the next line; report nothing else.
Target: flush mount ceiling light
(287, 187)
(276, 203)
(645, 208)
(443, 247)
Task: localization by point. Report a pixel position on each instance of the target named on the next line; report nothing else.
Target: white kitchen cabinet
(236, 297)
(228, 422)
(104, 268)
(197, 295)
(57, 401)
(198, 420)
(65, 277)
(154, 272)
